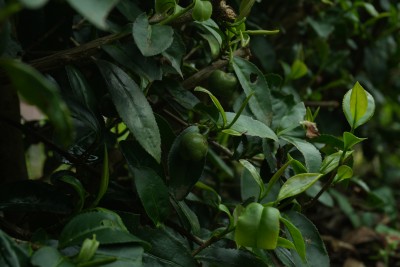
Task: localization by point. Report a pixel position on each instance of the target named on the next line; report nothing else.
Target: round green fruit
(193, 146)
(222, 83)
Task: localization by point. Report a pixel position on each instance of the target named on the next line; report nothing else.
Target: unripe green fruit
(221, 83)
(193, 146)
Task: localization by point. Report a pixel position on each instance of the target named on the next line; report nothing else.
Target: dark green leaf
(253, 81)
(187, 217)
(133, 108)
(292, 119)
(106, 225)
(129, 9)
(256, 176)
(39, 91)
(124, 255)
(183, 173)
(146, 68)
(95, 11)
(165, 6)
(75, 184)
(166, 250)
(34, 196)
(316, 253)
(151, 39)
(175, 53)
(105, 177)
(81, 88)
(50, 257)
(224, 257)
(12, 254)
(153, 194)
(310, 153)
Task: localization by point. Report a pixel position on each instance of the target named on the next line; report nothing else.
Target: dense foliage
(199, 133)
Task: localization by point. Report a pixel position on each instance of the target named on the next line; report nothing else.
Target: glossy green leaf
(225, 257)
(33, 4)
(350, 140)
(28, 196)
(298, 70)
(165, 6)
(297, 184)
(39, 91)
(153, 194)
(105, 177)
(316, 254)
(249, 126)
(216, 103)
(297, 238)
(292, 119)
(175, 53)
(12, 254)
(283, 242)
(81, 88)
(202, 10)
(253, 81)
(183, 174)
(344, 172)
(332, 161)
(105, 224)
(167, 249)
(249, 188)
(310, 153)
(358, 106)
(50, 257)
(151, 39)
(95, 11)
(258, 227)
(255, 174)
(133, 108)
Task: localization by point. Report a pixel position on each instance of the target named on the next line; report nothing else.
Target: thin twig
(326, 186)
(221, 148)
(209, 242)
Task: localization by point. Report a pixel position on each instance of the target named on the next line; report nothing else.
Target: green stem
(177, 15)
(261, 32)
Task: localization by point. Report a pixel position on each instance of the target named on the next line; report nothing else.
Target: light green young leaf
(39, 91)
(253, 81)
(298, 70)
(95, 11)
(133, 108)
(332, 161)
(283, 242)
(151, 39)
(202, 10)
(297, 238)
(216, 103)
(358, 106)
(297, 184)
(350, 140)
(245, 8)
(255, 174)
(344, 172)
(248, 126)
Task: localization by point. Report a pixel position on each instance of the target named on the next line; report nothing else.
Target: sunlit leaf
(297, 184)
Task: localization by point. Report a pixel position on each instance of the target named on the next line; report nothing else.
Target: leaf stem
(211, 240)
(176, 15)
